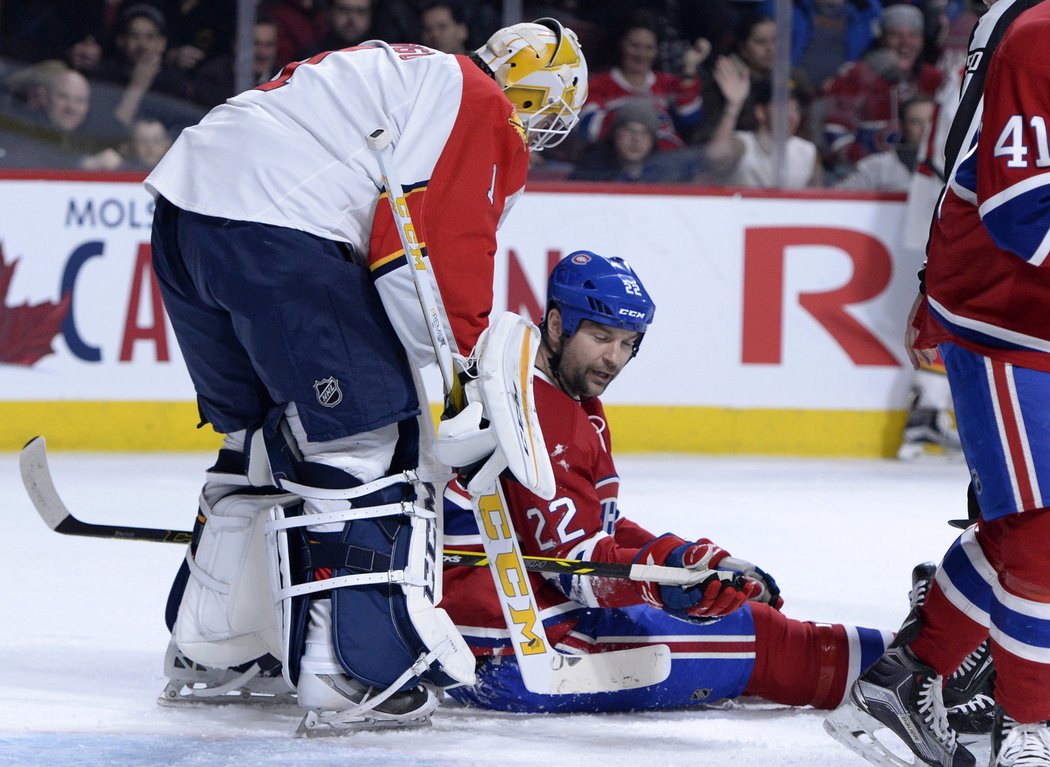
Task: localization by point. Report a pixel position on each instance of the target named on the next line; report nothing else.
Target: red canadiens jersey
(582, 522)
(292, 152)
(987, 280)
(862, 107)
(677, 102)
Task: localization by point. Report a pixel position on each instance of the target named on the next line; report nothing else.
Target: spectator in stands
(149, 142)
(630, 151)
(349, 24)
(143, 85)
(198, 31)
(57, 133)
(746, 158)
(862, 103)
(891, 170)
(300, 26)
(443, 26)
(826, 34)
(214, 81)
(27, 89)
(676, 98)
(753, 53)
(35, 30)
(146, 146)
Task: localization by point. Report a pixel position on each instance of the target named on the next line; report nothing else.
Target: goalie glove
(715, 593)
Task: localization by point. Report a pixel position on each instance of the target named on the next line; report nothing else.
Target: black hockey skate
(968, 693)
(1019, 745)
(929, 433)
(901, 695)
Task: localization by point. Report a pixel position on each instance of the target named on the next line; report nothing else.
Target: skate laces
(934, 716)
(917, 595)
(979, 702)
(969, 663)
(1024, 745)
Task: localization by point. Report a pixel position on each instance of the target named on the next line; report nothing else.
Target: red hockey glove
(716, 592)
(769, 592)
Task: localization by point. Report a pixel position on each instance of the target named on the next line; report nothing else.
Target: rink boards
(777, 329)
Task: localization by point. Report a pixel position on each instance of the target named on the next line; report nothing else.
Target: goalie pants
(994, 581)
(753, 651)
(266, 316)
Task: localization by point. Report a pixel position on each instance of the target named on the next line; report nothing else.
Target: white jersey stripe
(997, 404)
(1026, 446)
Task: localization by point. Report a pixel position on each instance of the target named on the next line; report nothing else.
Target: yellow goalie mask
(541, 69)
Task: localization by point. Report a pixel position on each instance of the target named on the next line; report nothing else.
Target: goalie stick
(40, 486)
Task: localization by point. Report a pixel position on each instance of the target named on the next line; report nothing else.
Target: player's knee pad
(221, 609)
(373, 549)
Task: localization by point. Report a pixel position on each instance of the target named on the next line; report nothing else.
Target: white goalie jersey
(458, 145)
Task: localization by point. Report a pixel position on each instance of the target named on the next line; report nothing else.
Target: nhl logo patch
(328, 392)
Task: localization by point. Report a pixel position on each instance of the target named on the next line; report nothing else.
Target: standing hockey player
(930, 428)
(285, 278)
(722, 645)
(983, 306)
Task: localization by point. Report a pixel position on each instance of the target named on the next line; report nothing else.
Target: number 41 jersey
(987, 274)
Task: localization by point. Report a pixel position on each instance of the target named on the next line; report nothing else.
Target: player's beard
(585, 381)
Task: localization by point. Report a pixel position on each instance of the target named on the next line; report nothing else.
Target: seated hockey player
(283, 272)
(727, 636)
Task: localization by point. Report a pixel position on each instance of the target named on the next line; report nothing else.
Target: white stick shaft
(379, 142)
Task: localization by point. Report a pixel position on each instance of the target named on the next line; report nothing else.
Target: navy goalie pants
(266, 316)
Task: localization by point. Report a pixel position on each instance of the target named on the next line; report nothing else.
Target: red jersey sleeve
(458, 210)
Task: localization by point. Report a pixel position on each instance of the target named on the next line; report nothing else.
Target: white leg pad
(226, 616)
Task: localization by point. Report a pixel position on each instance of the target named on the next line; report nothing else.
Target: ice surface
(82, 633)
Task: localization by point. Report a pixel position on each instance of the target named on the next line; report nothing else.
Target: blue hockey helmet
(605, 290)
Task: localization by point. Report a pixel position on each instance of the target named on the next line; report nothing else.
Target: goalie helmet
(586, 286)
(541, 69)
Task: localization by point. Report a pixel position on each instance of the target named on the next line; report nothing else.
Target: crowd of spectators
(680, 90)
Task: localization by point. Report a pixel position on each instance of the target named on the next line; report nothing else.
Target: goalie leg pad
(380, 573)
(224, 616)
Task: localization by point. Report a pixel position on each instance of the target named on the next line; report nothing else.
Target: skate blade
(316, 725)
(926, 451)
(177, 697)
(856, 730)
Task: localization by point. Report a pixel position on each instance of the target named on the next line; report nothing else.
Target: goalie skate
(190, 682)
(355, 707)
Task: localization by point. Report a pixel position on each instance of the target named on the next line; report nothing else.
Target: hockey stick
(543, 669)
(379, 142)
(36, 476)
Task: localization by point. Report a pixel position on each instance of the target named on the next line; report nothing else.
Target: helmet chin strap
(553, 356)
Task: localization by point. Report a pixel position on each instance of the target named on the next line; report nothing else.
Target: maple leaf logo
(26, 331)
